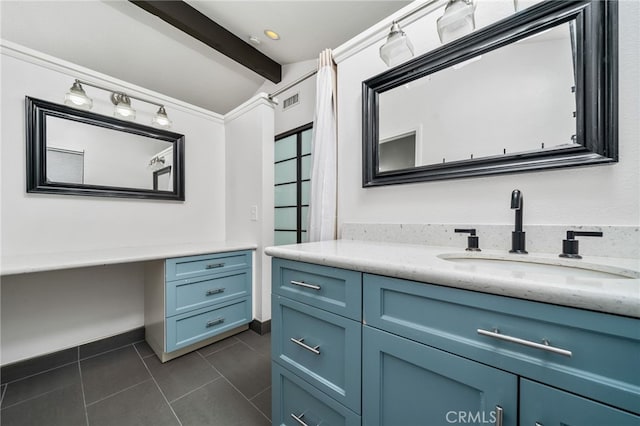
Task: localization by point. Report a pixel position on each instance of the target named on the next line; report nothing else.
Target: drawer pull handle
(545, 346)
(215, 291)
(300, 342)
(214, 265)
(538, 424)
(299, 419)
(499, 415)
(305, 285)
(215, 322)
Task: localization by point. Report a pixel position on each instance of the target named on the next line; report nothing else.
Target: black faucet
(517, 236)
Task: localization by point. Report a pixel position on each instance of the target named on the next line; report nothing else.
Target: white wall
(249, 176)
(598, 195)
(91, 303)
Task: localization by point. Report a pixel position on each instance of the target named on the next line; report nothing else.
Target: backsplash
(617, 241)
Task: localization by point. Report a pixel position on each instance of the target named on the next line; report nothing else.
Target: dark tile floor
(224, 384)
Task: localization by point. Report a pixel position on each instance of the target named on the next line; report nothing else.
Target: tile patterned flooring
(223, 384)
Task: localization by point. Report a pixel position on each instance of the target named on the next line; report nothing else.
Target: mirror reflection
(90, 155)
(515, 99)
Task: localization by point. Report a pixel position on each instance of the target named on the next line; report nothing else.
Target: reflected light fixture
(458, 20)
(123, 106)
(77, 98)
(397, 48)
(161, 119)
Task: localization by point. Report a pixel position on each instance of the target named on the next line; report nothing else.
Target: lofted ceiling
(122, 40)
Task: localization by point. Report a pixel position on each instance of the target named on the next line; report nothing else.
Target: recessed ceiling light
(272, 34)
(253, 39)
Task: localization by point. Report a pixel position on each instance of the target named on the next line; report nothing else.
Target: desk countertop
(40, 262)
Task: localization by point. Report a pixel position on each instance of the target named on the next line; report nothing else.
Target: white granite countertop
(561, 286)
(39, 262)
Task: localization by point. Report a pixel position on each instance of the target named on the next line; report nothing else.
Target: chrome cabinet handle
(538, 424)
(299, 419)
(305, 285)
(545, 346)
(300, 342)
(499, 415)
(215, 291)
(214, 265)
(215, 322)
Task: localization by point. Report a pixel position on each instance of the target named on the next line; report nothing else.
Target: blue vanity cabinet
(193, 301)
(316, 344)
(424, 354)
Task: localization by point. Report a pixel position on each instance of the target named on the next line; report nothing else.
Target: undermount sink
(542, 266)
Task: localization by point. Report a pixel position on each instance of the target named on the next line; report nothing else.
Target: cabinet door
(411, 384)
(541, 405)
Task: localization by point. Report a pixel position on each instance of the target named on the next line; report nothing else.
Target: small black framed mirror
(77, 152)
(533, 91)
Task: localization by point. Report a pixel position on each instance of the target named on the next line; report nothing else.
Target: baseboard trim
(260, 327)
(29, 367)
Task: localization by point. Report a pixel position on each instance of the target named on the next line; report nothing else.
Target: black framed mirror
(77, 152)
(533, 91)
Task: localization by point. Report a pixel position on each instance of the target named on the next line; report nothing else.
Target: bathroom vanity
(388, 334)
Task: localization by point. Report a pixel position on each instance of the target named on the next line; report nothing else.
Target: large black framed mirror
(533, 91)
(78, 152)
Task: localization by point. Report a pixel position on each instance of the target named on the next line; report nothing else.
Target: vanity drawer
(195, 266)
(191, 327)
(320, 347)
(293, 396)
(332, 289)
(603, 363)
(194, 293)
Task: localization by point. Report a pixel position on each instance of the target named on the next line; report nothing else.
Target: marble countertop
(39, 262)
(427, 264)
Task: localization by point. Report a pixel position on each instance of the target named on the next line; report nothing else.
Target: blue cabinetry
(316, 344)
(193, 301)
(436, 355)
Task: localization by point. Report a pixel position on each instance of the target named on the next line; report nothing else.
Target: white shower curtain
(322, 199)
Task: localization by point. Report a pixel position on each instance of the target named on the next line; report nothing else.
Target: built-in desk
(194, 294)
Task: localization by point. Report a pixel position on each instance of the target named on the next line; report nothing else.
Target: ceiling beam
(186, 18)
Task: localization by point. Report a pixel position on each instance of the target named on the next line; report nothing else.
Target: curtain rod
(293, 83)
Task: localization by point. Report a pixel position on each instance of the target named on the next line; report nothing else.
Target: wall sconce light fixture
(77, 98)
(397, 48)
(457, 20)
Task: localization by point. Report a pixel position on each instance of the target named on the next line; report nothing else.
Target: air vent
(290, 102)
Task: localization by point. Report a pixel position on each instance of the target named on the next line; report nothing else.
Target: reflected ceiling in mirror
(519, 95)
(490, 105)
(77, 152)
